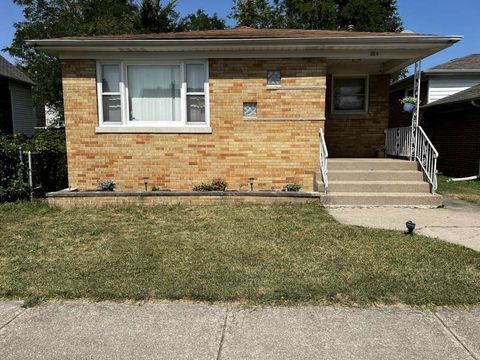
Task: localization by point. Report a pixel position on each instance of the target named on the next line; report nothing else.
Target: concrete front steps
(376, 182)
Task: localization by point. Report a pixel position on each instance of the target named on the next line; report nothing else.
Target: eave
(391, 52)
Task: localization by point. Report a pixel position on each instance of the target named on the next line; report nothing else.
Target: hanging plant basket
(409, 103)
(408, 107)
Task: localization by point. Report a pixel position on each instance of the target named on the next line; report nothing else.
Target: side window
(196, 78)
(111, 97)
(350, 95)
(250, 109)
(274, 77)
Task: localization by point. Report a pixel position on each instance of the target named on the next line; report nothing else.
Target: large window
(153, 95)
(350, 95)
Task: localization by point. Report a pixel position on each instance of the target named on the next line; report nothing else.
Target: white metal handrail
(399, 141)
(427, 156)
(324, 160)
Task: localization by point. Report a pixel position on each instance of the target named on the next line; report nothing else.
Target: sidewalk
(75, 330)
(458, 222)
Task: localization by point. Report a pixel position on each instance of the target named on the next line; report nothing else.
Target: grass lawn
(253, 254)
(464, 190)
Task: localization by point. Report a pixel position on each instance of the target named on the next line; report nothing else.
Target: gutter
(386, 40)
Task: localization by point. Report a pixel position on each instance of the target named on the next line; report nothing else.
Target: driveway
(458, 222)
(76, 330)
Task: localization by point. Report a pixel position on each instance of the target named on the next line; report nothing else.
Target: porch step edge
(378, 182)
(365, 199)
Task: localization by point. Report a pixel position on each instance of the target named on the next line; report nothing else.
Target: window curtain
(195, 85)
(195, 78)
(154, 92)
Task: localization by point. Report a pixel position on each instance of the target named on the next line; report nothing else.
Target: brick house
(453, 125)
(182, 108)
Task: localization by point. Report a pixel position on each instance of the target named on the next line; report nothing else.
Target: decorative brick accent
(359, 136)
(273, 152)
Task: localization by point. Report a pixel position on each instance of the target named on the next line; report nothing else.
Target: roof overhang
(391, 53)
(453, 72)
(475, 102)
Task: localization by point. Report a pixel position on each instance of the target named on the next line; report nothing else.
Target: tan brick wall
(360, 136)
(272, 151)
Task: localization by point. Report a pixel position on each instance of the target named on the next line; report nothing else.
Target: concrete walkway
(187, 331)
(458, 222)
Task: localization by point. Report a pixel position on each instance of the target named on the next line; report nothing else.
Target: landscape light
(410, 227)
(145, 182)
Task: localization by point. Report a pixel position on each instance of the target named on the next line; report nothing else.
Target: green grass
(252, 254)
(464, 190)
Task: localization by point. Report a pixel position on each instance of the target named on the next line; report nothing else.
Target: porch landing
(376, 182)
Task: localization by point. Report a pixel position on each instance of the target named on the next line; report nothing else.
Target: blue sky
(446, 17)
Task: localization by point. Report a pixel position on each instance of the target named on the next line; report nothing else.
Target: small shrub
(107, 185)
(13, 169)
(51, 140)
(49, 157)
(203, 187)
(217, 184)
(155, 188)
(293, 187)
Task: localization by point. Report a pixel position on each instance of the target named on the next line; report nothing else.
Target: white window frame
(205, 92)
(152, 126)
(100, 92)
(367, 93)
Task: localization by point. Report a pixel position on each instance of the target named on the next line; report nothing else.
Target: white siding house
(441, 86)
(23, 118)
(443, 80)
(17, 115)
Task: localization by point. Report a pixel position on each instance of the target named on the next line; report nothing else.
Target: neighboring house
(437, 83)
(183, 108)
(17, 114)
(453, 125)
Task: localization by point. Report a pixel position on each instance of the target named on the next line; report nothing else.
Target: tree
(201, 21)
(364, 15)
(369, 15)
(258, 13)
(154, 17)
(58, 18)
(313, 14)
